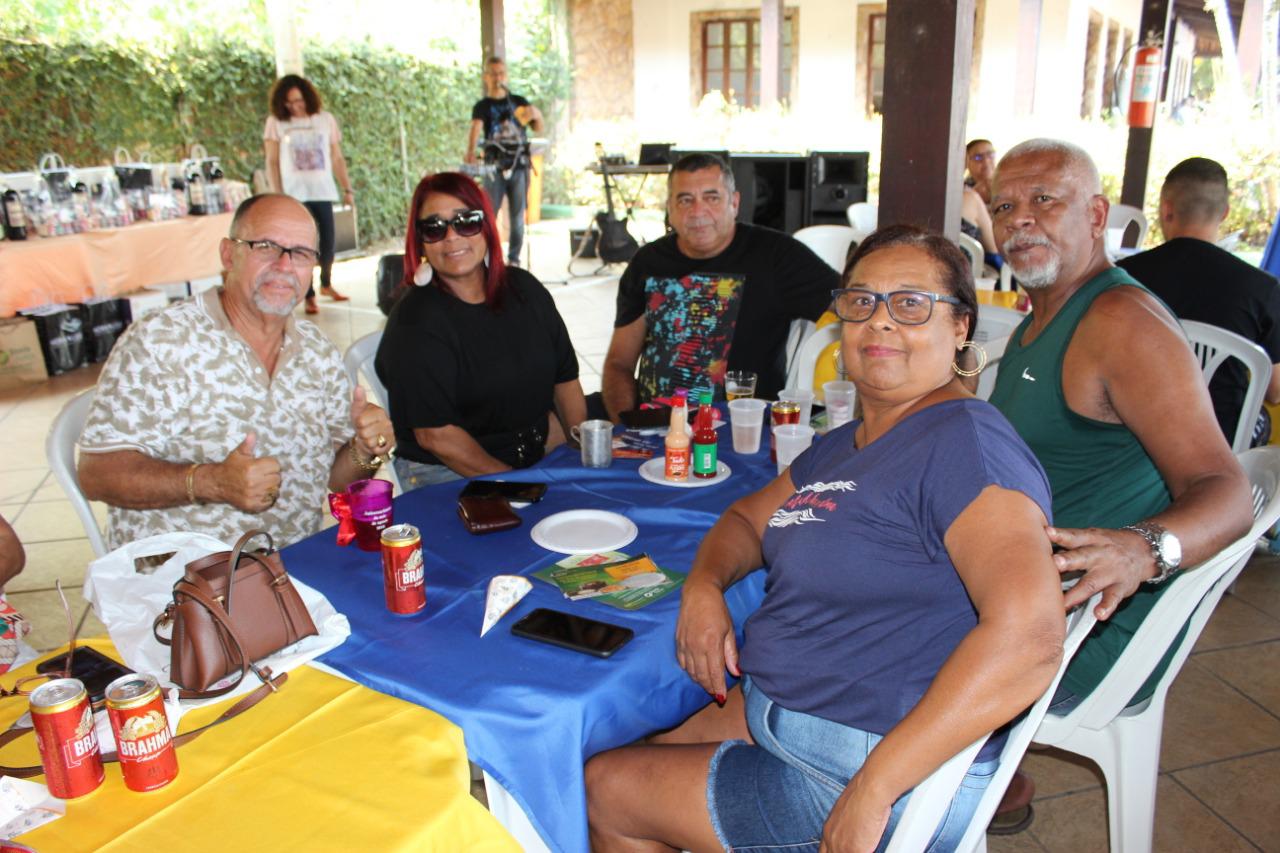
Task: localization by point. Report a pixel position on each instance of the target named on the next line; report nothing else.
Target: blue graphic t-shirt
(862, 602)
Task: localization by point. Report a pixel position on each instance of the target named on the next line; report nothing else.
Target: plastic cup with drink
(839, 398)
(746, 419)
(739, 384)
(792, 439)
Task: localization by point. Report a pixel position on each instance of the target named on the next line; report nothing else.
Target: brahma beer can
(140, 725)
(63, 722)
(402, 573)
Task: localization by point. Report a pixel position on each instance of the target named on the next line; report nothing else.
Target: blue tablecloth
(532, 713)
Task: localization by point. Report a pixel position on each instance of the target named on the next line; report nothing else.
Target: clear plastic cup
(746, 418)
(839, 396)
(801, 396)
(792, 440)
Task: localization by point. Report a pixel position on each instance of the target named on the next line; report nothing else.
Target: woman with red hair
(475, 356)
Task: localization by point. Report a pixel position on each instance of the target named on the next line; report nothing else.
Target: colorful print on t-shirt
(807, 502)
(690, 329)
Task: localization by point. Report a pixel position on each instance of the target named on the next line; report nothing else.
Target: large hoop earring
(982, 360)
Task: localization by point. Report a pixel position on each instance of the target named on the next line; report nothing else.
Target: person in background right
(1202, 282)
(980, 165)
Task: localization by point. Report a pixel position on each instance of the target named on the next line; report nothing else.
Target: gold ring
(382, 442)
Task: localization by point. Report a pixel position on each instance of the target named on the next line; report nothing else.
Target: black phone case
(90, 666)
(511, 490)
(521, 629)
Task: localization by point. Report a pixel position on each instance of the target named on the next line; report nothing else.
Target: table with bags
(325, 763)
(531, 713)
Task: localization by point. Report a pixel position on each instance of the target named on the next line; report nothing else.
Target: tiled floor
(1220, 765)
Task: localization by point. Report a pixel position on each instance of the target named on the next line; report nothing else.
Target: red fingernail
(720, 699)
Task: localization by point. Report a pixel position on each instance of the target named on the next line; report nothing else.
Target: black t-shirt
(493, 373)
(1202, 282)
(706, 316)
(505, 138)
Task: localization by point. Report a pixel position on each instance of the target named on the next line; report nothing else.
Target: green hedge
(82, 100)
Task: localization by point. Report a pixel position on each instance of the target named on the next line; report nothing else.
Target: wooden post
(771, 23)
(1137, 156)
(927, 51)
(493, 32)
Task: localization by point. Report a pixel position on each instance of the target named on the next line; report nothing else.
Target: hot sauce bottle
(677, 463)
(704, 440)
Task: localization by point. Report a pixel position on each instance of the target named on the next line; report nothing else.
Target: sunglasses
(433, 229)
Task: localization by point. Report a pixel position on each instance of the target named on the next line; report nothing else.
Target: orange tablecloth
(108, 262)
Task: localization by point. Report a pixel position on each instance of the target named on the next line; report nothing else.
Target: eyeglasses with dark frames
(468, 223)
(908, 307)
(269, 252)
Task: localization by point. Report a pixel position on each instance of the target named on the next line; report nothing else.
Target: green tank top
(1099, 472)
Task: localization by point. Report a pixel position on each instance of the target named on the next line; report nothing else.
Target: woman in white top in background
(304, 153)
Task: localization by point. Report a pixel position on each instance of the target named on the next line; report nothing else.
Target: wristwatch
(1165, 548)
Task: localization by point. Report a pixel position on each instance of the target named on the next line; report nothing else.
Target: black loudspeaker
(771, 188)
(835, 181)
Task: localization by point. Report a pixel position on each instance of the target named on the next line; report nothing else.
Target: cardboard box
(61, 330)
(21, 360)
(140, 303)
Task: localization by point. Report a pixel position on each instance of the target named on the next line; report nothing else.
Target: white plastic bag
(128, 603)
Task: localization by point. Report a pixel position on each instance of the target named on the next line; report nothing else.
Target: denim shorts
(415, 474)
(776, 794)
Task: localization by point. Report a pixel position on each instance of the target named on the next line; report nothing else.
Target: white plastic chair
(60, 448)
(829, 242)
(1213, 346)
(358, 359)
(1125, 742)
(995, 325)
(864, 216)
(806, 360)
(931, 798)
(973, 249)
(1119, 217)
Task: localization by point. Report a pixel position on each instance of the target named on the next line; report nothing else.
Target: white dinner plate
(655, 468)
(584, 531)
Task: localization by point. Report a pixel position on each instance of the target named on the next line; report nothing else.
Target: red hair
(469, 193)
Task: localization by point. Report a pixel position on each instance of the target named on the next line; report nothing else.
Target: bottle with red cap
(704, 439)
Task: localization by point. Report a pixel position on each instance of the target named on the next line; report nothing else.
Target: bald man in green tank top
(1100, 382)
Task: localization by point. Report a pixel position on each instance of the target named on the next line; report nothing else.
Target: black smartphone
(646, 418)
(519, 492)
(91, 667)
(573, 632)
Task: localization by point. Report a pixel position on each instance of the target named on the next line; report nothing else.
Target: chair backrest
(829, 242)
(930, 799)
(60, 448)
(358, 361)
(807, 358)
(1189, 603)
(973, 249)
(864, 217)
(1212, 347)
(799, 332)
(1119, 217)
(995, 325)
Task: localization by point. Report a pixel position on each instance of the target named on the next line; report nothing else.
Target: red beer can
(63, 722)
(784, 412)
(144, 743)
(402, 573)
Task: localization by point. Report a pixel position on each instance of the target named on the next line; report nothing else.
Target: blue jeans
(415, 474)
(515, 189)
(777, 794)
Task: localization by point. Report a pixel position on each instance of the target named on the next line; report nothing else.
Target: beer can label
(144, 743)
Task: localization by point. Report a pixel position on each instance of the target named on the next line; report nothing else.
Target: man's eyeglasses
(270, 252)
(433, 229)
(908, 307)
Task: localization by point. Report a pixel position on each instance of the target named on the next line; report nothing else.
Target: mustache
(1024, 241)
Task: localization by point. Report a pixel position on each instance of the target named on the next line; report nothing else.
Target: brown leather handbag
(229, 610)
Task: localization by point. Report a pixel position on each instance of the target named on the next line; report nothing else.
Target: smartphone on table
(512, 491)
(89, 666)
(579, 633)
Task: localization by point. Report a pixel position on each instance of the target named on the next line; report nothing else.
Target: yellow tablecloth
(109, 262)
(325, 764)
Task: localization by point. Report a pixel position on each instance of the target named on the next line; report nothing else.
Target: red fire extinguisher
(1146, 86)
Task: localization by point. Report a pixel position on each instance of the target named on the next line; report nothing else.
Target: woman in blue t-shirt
(911, 603)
